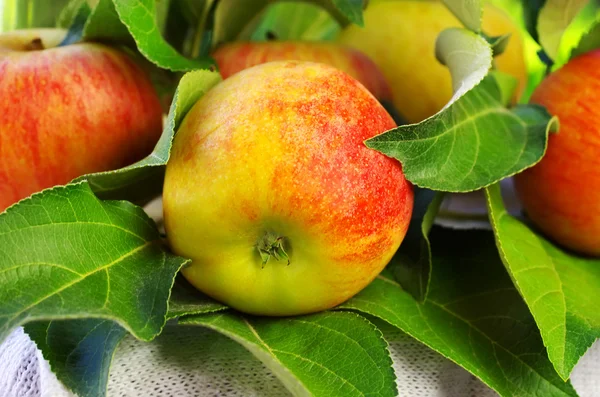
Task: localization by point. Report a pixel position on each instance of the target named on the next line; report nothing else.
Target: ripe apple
(236, 56)
(400, 38)
(561, 194)
(272, 193)
(67, 111)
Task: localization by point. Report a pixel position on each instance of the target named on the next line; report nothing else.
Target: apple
(272, 194)
(400, 38)
(69, 110)
(237, 56)
(561, 194)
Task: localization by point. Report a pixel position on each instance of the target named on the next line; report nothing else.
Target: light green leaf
(186, 300)
(80, 352)
(67, 15)
(311, 355)
(468, 12)
(236, 20)
(554, 18)
(295, 21)
(560, 289)
(144, 179)
(134, 23)
(351, 10)
(412, 263)
(66, 254)
(471, 144)
(140, 18)
(507, 84)
(473, 315)
(104, 24)
(467, 55)
(589, 41)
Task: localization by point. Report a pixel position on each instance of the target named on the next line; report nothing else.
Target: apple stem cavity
(35, 45)
(272, 245)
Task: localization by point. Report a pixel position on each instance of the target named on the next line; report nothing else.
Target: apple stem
(272, 245)
(35, 45)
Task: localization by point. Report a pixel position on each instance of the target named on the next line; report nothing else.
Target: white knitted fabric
(193, 361)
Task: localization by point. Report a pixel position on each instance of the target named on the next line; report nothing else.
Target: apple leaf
(311, 355)
(351, 10)
(531, 12)
(140, 18)
(143, 180)
(468, 12)
(554, 18)
(471, 144)
(135, 23)
(560, 289)
(186, 300)
(589, 41)
(80, 351)
(66, 254)
(294, 21)
(235, 19)
(473, 315)
(104, 24)
(412, 263)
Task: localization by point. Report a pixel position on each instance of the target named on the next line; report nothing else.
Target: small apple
(272, 194)
(561, 194)
(67, 111)
(237, 56)
(400, 36)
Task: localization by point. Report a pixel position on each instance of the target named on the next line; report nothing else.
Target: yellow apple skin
(68, 111)
(400, 36)
(278, 150)
(561, 194)
(236, 56)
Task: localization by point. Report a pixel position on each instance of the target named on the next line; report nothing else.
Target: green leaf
(471, 144)
(79, 351)
(144, 179)
(140, 18)
(67, 15)
(133, 23)
(103, 23)
(531, 12)
(589, 41)
(186, 300)
(473, 315)
(507, 84)
(554, 18)
(467, 55)
(294, 21)
(412, 263)
(468, 12)
(66, 254)
(351, 9)
(236, 19)
(324, 354)
(560, 289)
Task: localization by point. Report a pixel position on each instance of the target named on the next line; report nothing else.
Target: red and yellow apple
(561, 194)
(400, 36)
(69, 110)
(237, 56)
(272, 194)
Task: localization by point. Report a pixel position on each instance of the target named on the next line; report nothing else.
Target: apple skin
(561, 194)
(278, 148)
(68, 111)
(237, 56)
(400, 38)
